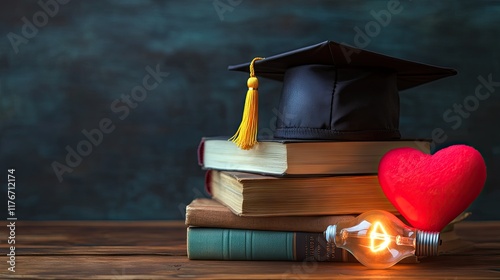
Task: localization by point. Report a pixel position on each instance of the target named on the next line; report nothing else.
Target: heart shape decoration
(432, 190)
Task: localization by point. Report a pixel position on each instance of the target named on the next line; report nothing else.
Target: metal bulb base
(427, 243)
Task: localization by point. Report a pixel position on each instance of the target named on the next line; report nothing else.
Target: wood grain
(157, 250)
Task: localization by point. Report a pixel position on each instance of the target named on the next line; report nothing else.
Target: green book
(260, 245)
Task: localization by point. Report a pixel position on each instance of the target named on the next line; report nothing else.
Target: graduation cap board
(333, 91)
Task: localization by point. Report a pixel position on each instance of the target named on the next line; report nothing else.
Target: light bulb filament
(379, 234)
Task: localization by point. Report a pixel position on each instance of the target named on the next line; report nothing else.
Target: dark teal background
(66, 77)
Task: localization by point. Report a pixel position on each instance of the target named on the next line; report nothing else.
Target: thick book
(259, 245)
(205, 212)
(292, 157)
(248, 194)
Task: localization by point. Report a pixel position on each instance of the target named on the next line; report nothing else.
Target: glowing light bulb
(379, 240)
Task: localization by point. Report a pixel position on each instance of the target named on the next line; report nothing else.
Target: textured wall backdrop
(67, 67)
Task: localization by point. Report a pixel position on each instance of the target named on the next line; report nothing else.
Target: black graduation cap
(333, 91)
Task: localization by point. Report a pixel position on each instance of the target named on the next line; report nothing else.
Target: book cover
(258, 245)
(293, 157)
(204, 212)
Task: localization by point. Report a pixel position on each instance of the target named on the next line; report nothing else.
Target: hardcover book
(204, 212)
(292, 157)
(248, 194)
(258, 245)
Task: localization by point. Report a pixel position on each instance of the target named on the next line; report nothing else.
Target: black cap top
(333, 91)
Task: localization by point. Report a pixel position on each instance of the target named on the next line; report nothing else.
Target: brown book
(249, 194)
(300, 157)
(205, 212)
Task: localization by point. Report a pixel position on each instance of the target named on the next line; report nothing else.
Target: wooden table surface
(157, 250)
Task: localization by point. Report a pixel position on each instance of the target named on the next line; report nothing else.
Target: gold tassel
(246, 135)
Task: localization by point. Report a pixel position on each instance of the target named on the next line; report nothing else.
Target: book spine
(258, 245)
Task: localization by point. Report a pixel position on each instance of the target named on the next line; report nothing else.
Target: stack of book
(273, 202)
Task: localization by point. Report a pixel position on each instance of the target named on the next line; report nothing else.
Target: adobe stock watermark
(455, 115)
(363, 36)
(40, 18)
(317, 249)
(223, 6)
(121, 107)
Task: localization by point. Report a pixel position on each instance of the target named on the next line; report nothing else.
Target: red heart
(431, 190)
